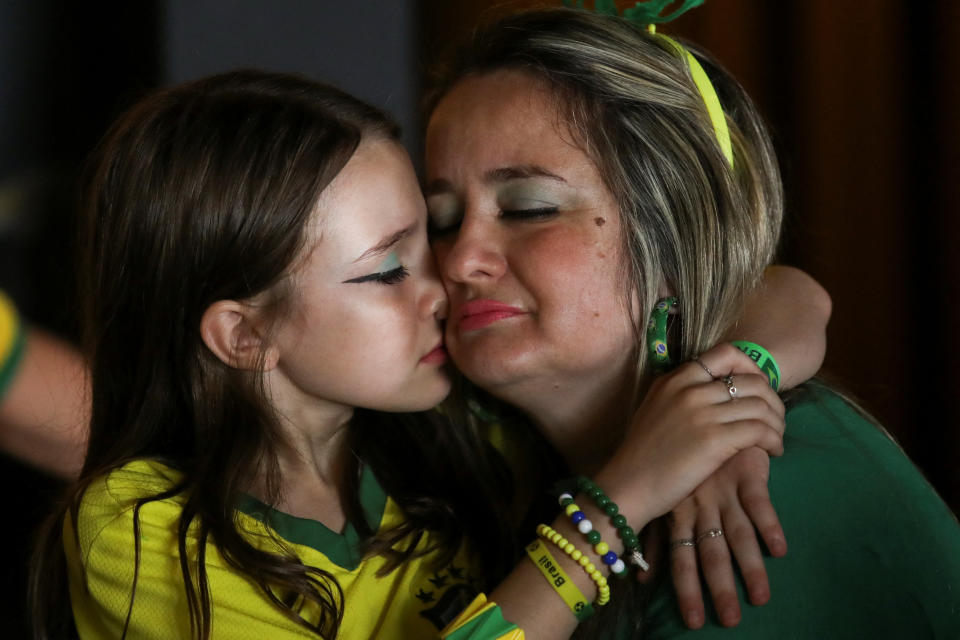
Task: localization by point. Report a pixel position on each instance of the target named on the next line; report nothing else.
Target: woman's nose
(473, 254)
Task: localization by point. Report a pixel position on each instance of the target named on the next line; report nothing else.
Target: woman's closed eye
(444, 214)
(390, 272)
(529, 212)
(525, 200)
(449, 224)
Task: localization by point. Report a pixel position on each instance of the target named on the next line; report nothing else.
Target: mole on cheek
(599, 221)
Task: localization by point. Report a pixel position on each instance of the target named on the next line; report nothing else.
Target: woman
(574, 177)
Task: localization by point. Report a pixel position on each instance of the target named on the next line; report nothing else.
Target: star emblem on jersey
(425, 596)
(438, 581)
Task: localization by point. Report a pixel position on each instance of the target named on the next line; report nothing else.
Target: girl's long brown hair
(201, 193)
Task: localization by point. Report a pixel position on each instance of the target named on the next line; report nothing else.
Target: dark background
(862, 98)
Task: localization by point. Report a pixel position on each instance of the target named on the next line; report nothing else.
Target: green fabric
(873, 551)
(340, 548)
(489, 624)
(643, 13)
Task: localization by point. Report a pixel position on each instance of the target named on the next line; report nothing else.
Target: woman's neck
(584, 419)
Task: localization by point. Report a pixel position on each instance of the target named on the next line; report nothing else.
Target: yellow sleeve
(101, 570)
(481, 620)
(11, 342)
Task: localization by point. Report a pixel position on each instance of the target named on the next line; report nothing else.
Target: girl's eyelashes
(391, 277)
(390, 272)
(382, 277)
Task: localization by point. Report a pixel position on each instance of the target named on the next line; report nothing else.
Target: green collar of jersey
(343, 549)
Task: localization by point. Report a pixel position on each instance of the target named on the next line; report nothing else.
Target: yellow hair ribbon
(707, 93)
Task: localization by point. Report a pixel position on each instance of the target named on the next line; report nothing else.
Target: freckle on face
(599, 221)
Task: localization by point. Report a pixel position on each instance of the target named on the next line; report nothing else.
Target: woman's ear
(233, 331)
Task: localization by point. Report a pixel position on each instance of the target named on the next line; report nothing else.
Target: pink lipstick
(437, 356)
(477, 314)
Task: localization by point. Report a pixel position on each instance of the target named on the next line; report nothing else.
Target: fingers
(742, 541)
(683, 564)
(725, 358)
(717, 391)
(743, 434)
(717, 568)
(752, 385)
(742, 387)
(755, 499)
(749, 409)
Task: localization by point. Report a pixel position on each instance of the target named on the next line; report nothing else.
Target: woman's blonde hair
(693, 221)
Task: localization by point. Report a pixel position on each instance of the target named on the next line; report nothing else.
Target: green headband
(648, 14)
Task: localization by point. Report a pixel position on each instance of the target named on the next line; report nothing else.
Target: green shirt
(873, 551)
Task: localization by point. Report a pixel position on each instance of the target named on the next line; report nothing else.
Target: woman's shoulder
(827, 429)
(842, 464)
(826, 419)
(813, 402)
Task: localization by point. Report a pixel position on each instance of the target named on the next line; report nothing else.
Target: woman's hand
(686, 428)
(733, 500)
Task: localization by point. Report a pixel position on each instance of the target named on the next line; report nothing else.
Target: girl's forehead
(375, 196)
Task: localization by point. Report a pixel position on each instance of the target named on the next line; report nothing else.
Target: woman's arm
(788, 316)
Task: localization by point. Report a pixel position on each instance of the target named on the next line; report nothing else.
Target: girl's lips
(477, 314)
(437, 356)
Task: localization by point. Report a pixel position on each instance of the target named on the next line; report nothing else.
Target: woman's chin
(493, 369)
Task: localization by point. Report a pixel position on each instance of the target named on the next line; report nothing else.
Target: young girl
(258, 291)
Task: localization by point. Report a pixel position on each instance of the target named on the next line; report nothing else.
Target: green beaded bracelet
(631, 542)
(579, 519)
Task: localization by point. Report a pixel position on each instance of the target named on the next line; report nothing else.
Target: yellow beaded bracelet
(559, 580)
(603, 589)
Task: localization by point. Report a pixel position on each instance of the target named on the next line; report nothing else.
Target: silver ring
(732, 390)
(705, 368)
(683, 542)
(710, 533)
